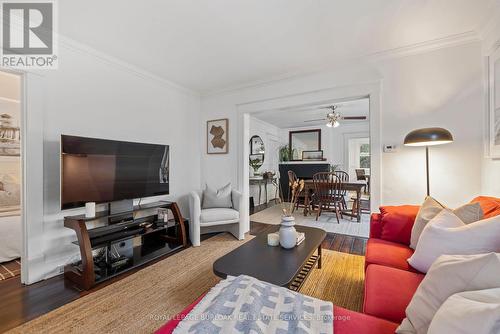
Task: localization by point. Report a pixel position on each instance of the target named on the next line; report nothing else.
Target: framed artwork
(494, 105)
(218, 136)
(312, 155)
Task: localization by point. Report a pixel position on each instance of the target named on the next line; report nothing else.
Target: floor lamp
(428, 137)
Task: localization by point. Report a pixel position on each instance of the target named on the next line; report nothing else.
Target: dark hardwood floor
(20, 303)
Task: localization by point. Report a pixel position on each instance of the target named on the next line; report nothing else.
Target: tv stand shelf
(141, 240)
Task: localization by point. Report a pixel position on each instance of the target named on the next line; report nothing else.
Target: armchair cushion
(218, 215)
(490, 205)
(220, 198)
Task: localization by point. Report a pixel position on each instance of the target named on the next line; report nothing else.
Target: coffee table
(283, 267)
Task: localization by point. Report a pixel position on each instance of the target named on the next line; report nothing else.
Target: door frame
(32, 126)
(369, 90)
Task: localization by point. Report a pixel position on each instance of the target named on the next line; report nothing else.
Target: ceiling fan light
(335, 124)
(329, 124)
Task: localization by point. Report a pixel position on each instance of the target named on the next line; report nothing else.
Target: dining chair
(361, 176)
(344, 178)
(327, 189)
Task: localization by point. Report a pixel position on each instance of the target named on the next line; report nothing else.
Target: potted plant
(284, 153)
(255, 163)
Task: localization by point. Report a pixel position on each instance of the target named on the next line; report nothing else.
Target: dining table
(356, 186)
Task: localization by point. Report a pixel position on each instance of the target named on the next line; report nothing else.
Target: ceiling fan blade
(353, 117)
(315, 120)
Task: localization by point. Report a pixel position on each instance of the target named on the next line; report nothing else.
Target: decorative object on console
(90, 210)
(428, 137)
(312, 155)
(468, 213)
(448, 234)
(218, 136)
(255, 161)
(273, 239)
(448, 275)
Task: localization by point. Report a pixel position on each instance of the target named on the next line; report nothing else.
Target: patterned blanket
(244, 304)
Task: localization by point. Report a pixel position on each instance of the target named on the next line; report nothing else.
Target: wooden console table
(147, 239)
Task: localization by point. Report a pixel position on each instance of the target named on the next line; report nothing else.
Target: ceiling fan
(333, 117)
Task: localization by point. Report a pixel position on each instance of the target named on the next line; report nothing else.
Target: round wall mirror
(257, 151)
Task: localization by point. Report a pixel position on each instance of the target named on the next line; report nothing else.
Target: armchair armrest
(237, 199)
(194, 213)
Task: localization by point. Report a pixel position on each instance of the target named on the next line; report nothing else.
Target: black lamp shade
(428, 137)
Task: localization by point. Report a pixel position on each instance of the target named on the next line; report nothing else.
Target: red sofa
(390, 281)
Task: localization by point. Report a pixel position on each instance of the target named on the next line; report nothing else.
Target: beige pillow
(468, 312)
(468, 213)
(447, 234)
(448, 275)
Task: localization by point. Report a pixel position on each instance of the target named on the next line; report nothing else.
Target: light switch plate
(391, 148)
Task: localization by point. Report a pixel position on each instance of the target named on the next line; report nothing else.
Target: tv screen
(100, 170)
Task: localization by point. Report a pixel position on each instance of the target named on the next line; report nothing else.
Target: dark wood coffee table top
(275, 265)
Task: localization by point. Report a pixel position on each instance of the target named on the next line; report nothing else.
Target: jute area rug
(144, 301)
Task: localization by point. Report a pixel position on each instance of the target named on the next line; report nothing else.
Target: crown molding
(84, 49)
(404, 51)
(490, 34)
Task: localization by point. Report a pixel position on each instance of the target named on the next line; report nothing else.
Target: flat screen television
(101, 170)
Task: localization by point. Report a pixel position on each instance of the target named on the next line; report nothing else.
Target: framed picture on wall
(218, 136)
(494, 105)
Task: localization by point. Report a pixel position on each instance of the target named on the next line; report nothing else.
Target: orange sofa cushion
(388, 291)
(490, 205)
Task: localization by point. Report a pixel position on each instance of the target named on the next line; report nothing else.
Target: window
(364, 156)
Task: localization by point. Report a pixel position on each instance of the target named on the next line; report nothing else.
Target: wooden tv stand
(140, 240)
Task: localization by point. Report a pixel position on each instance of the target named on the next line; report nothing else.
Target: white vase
(288, 234)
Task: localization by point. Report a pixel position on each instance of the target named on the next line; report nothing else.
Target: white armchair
(215, 219)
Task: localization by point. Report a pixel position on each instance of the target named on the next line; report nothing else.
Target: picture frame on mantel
(494, 105)
(218, 136)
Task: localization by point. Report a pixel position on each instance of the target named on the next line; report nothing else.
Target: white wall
(92, 96)
(437, 88)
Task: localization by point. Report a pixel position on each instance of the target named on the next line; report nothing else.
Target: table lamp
(428, 137)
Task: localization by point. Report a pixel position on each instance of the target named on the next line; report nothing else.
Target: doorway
(10, 176)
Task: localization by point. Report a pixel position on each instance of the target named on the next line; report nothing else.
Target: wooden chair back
(327, 187)
(344, 178)
(360, 174)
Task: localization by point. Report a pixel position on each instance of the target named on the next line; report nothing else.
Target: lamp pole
(427, 168)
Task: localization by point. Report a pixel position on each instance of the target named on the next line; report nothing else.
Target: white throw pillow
(475, 312)
(447, 234)
(468, 213)
(450, 274)
(220, 198)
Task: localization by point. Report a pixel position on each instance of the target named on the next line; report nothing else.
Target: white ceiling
(296, 117)
(209, 45)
